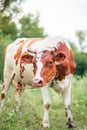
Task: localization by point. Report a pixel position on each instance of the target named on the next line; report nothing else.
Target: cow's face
(44, 66)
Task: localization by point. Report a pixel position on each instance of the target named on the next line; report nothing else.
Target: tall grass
(32, 109)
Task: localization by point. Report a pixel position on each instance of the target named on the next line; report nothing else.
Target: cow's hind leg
(46, 102)
(66, 99)
(8, 76)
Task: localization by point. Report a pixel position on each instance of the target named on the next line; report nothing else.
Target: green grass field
(32, 109)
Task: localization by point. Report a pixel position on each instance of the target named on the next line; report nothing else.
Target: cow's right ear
(27, 58)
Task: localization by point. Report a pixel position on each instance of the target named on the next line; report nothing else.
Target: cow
(41, 63)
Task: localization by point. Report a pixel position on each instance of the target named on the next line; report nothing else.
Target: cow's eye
(49, 62)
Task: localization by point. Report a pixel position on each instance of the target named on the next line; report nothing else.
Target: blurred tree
(80, 56)
(74, 48)
(4, 4)
(30, 26)
(8, 29)
(81, 38)
(81, 62)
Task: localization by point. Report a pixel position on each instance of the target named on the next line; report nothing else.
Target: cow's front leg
(18, 95)
(46, 102)
(66, 99)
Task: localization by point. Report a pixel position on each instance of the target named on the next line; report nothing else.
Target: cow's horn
(31, 51)
(55, 49)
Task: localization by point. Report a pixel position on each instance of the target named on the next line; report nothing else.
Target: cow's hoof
(46, 124)
(70, 124)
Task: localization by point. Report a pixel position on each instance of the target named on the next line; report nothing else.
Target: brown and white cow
(42, 63)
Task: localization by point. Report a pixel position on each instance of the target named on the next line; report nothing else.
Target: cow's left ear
(27, 58)
(60, 57)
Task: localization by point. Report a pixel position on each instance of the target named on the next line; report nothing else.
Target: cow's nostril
(40, 82)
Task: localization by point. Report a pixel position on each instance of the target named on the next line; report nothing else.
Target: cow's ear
(27, 58)
(60, 57)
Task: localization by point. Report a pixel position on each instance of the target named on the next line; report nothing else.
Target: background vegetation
(28, 26)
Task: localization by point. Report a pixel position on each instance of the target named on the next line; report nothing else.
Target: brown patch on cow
(66, 109)
(18, 56)
(19, 51)
(26, 57)
(19, 91)
(19, 87)
(68, 66)
(2, 96)
(3, 87)
(49, 69)
(21, 70)
(18, 84)
(22, 41)
(72, 63)
(47, 106)
(66, 114)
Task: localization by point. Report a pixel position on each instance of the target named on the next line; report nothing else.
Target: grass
(32, 109)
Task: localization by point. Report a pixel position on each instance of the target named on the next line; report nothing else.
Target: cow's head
(44, 65)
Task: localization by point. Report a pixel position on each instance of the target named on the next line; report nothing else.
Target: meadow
(32, 109)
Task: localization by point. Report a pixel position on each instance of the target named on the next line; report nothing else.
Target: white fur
(46, 100)
(39, 67)
(48, 43)
(60, 86)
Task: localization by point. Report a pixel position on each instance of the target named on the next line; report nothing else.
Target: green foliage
(11, 30)
(80, 56)
(30, 27)
(81, 62)
(81, 37)
(4, 4)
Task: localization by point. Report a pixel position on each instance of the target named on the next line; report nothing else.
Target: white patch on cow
(39, 66)
(57, 63)
(60, 86)
(46, 100)
(51, 42)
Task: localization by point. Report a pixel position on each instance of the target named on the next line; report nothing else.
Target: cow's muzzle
(37, 83)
